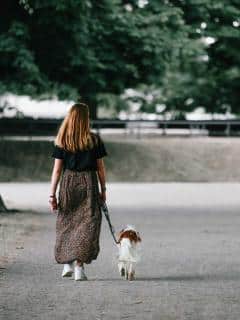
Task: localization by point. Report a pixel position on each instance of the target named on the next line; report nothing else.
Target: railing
(49, 127)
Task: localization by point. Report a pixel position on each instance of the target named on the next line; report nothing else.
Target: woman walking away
(79, 167)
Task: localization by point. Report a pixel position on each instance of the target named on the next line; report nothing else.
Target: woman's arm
(102, 177)
(56, 174)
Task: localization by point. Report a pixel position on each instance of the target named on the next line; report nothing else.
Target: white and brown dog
(129, 253)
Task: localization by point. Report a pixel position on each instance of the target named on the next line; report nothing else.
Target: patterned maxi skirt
(79, 217)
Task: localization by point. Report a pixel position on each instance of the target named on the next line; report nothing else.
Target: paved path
(190, 267)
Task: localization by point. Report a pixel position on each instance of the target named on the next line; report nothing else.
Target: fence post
(138, 130)
(164, 132)
(228, 129)
(190, 129)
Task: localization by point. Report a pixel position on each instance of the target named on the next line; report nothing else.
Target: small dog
(128, 245)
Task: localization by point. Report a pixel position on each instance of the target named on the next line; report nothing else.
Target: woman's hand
(53, 203)
(103, 196)
(56, 173)
(102, 179)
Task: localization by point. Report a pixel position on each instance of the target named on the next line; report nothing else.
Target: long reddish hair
(74, 133)
(130, 234)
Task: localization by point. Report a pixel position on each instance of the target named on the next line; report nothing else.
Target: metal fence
(49, 127)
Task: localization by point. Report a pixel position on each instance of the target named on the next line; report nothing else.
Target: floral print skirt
(79, 217)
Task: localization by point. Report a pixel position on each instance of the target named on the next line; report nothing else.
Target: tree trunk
(91, 101)
(3, 208)
(93, 112)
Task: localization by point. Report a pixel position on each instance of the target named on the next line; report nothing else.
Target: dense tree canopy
(87, 48)
(219, 86)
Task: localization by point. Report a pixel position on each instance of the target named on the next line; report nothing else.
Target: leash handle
(103, 205)
(104, 208)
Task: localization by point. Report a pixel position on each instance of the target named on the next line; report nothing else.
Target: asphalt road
(190, 266)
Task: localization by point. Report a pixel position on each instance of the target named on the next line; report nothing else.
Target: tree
(218, 82)
(83, 48)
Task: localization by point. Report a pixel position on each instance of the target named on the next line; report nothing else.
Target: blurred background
(161, 78)
(162, 81)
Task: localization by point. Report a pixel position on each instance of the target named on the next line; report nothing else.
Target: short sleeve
(100, 149)
(58, 152)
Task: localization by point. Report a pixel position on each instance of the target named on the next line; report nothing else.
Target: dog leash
(106, 213)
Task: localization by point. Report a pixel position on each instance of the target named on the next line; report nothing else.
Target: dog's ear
(119, 235)
(138, 237)
(120, 232)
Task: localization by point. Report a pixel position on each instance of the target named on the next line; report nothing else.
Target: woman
(78, 154)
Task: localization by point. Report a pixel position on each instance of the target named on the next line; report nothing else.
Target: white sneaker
(79, 273)
(67, 270)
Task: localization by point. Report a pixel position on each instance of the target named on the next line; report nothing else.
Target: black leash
(106, 213)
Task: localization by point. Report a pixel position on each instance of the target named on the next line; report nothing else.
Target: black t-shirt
(82, 160)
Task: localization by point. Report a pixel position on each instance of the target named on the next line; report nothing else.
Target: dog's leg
(126, 267)
(121, 268)
(131, 272)
(123, 272)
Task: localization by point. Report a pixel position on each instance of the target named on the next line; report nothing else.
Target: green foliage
(218, 82)
(93, 50)
(89, 46)
(111, 104)
(19, 71)
(26, 6)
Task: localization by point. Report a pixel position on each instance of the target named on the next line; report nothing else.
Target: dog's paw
(122, 272)
(131, 276)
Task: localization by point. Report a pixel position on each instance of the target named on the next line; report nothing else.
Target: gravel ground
(190, 266)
